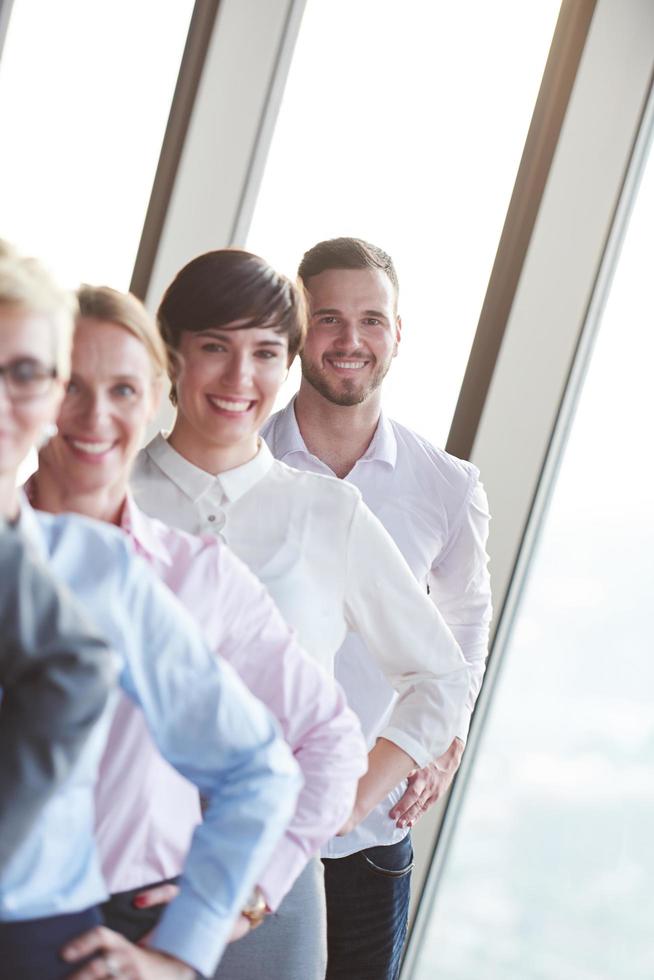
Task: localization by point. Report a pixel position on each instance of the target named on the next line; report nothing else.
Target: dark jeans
(122, 916)
(30, 950)
(367, 912)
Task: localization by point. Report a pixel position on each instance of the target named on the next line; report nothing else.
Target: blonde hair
(125, 310)
(26, 285)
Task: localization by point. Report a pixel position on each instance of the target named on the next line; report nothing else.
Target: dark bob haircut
(221, 287)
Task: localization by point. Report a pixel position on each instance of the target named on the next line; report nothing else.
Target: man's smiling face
(353, 333)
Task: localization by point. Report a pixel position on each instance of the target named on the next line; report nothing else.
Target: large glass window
(85, 92)
(551, 867)
(404, 123)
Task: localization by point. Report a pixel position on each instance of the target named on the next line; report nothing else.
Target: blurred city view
(550, 873)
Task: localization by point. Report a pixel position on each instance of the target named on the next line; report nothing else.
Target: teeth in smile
(95, 448)
(349, 365)
(230, 406)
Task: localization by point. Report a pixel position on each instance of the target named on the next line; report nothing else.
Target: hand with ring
(117, 957)
(111, 966)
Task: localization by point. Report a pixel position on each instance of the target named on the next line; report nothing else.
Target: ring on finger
(112, 967)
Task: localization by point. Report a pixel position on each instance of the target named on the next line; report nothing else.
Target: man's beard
(342, 391)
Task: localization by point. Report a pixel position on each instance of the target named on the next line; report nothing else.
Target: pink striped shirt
(146, 812)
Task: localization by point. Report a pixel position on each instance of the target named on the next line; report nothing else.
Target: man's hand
(122, 959)
(426, 786)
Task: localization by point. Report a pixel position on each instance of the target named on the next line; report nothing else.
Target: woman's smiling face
(110, 399)
(228, 380)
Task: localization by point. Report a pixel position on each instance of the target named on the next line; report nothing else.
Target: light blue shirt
(204, 722)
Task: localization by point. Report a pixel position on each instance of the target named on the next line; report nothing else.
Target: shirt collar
(383, 446)
(288, 438)
(235, 483)
(195, 482)
(190, 479)
(143, 531)
(28, 526)
(132, 520)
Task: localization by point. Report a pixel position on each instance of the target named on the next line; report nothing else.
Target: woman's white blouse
(331, 567)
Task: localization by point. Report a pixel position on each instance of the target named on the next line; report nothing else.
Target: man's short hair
(346, 253)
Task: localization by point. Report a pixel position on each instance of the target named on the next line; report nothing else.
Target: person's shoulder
(280, 431)
(102, 548)
(68, 527)
(419, 451)
(315, 485)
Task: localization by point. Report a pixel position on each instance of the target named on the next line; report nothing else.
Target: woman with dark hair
(232, 326)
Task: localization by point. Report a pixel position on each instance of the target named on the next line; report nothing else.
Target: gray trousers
(291, 944)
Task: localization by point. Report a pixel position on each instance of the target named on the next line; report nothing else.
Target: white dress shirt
(332, 568)
(435, 509)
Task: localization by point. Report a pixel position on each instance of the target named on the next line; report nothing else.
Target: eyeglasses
(26, 378)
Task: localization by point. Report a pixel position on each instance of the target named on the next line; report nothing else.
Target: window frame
(548, 340)
(511, 412)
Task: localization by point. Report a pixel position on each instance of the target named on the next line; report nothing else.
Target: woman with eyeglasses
(326, 560)
(204, 720)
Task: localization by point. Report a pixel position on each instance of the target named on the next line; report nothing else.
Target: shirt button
(212, 517)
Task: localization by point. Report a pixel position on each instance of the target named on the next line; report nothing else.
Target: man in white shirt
(435, 508)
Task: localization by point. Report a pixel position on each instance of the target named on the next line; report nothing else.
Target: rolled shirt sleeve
(459, 585)
(408, 638)
(56, 673)
(323, 733)
(220, 737)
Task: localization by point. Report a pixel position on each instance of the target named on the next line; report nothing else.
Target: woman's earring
(48, 432)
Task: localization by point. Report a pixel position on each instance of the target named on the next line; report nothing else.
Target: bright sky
(402, 123)
(84, 100)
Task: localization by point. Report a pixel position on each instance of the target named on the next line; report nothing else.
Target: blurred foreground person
(435, 509)
(146, 812)
(55, 678)
(233, 325)
(204, 720)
